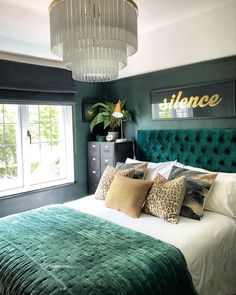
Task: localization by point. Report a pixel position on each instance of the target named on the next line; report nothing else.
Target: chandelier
(94, 37)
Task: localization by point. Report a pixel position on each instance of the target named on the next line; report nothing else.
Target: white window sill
(36, 188)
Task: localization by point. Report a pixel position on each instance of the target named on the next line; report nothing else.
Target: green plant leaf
(105, 111)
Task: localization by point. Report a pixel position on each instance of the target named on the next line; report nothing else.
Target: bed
(208, 246)
(206, 249)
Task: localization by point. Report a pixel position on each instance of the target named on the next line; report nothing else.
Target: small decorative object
(113, 134)
(101, 138)
(94, 37)
(109, 121)
(109, 137)
(88, 112)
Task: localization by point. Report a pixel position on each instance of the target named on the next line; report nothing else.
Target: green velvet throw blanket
(57, 250)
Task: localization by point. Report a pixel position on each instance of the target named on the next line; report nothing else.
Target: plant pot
(115, 134)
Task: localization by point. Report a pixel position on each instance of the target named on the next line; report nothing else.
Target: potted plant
(104, 116)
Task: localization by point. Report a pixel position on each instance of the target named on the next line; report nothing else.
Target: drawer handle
(94, 172)
(106, 151)
(93, 145)
(106, 161)
(106, 147)
(94, 159)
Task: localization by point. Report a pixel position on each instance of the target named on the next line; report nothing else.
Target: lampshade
(117, 113)
(93, 37)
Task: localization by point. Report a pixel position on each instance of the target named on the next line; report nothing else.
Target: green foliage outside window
(8, 155)
(45, 118)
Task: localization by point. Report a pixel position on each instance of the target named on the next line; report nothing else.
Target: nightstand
(101, 154)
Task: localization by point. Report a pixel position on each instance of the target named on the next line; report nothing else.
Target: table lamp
(117, 113)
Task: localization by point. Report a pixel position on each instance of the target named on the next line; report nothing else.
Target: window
(36, 147)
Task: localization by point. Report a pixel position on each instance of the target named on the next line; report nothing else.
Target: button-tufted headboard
(211, 149)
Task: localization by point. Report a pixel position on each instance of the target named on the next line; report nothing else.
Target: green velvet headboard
(211, 149)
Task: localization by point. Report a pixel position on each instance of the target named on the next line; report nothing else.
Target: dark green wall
(136, 90)
(63, 193)
(90, 93)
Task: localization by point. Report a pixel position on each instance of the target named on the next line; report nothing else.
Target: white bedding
(209, 245)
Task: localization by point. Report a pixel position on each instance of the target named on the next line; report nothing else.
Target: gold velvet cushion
(140, 168)
(128, 195)
(165, 198)
(107, 178)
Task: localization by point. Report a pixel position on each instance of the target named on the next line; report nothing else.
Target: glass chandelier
(94, 37)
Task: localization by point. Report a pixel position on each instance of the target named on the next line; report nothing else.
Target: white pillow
(222, 196)
(178, 164)
(153, 169)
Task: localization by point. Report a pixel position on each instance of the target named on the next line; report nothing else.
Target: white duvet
(209, 245)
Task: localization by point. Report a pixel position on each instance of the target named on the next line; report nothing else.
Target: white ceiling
(24, 24)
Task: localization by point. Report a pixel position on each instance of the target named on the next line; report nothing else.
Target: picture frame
(88, 112)
(199, 101)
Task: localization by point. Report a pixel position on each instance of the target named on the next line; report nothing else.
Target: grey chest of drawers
(101, 154)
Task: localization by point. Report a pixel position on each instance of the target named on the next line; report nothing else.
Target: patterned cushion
(153, 169)
(128, 195)
(222, 196)
(107, 178)
(165, 198)
(140, 168)
(198, 185)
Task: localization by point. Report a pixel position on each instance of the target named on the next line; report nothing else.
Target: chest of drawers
(101, 154)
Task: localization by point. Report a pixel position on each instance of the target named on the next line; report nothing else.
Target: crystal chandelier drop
(94, 37)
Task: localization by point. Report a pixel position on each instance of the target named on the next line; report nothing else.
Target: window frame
(22, 151)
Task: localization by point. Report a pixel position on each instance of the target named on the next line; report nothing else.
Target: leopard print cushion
(165, 198)
(107, 178)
